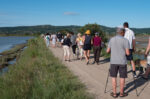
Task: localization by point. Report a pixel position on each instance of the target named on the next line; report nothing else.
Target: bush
(94, 28)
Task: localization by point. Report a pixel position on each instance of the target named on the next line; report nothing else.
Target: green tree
(65, 31)
(94, 28)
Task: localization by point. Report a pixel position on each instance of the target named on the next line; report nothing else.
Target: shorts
(59, 40)
(87, 47)
(114, 68)
(130, 57)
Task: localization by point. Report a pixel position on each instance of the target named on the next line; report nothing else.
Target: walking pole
(135, 84)
(106, 82)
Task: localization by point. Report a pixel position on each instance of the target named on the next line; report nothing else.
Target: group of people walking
(81, 45)
(121, 48)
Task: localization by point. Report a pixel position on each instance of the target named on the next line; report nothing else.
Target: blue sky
(74, 12)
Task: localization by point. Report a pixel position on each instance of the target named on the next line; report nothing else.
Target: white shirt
(129, 34)
(47, 37)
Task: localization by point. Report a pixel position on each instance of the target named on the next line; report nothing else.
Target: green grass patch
(104, 53)
(39, 75)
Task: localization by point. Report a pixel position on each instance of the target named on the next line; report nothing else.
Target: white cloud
(71, 13)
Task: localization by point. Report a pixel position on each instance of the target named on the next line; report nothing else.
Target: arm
(133, 41)
(108, 50)
(92, 40)
(83, 39)
(127, 46)
(127, 52)
(148, 48)
(133, 44)
(109, 47)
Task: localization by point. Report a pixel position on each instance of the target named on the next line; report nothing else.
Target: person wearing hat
(87, 41)
(97, 47)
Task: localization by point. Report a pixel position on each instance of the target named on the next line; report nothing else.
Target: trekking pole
(106, 82)
(135, 84)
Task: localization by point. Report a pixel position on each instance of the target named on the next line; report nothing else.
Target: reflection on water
(139, 56)
(2, 71)
(8, 42)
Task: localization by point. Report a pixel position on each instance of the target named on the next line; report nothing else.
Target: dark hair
(72, 33)
(126, 24)
(47, 33)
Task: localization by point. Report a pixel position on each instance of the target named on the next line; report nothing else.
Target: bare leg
(133, 65)
(122, 84)
(68, 53)
(86, 57)
(114, 84)
(88, 54)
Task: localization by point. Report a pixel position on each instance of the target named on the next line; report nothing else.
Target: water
(8, 42)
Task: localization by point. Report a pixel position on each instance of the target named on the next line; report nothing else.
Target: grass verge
(39, 75)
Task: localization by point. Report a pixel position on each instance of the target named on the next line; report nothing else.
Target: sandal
(123, 95)
(113, 95)
(87, 63)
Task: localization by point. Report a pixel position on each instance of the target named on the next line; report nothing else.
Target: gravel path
(94, 77)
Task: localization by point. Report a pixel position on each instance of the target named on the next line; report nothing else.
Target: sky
(109, 13)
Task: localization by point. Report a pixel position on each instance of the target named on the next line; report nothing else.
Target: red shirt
(97, 41)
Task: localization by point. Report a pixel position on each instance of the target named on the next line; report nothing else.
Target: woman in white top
(79, 41)
(47, 39)
(54, 38)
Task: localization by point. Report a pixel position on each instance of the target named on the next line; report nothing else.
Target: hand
(145, 54)
(134, 49)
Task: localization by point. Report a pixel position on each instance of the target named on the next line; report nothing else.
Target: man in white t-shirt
(129, 34)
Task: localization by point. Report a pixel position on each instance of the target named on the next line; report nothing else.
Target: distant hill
(51, 29)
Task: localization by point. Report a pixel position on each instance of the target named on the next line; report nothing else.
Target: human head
(126, 25)
(88, 32)
(72, 33)
(47, 33)
(96, 34)
(79, 34)
(121, 31)
(68, 35)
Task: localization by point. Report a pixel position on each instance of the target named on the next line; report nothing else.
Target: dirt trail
(94, 77)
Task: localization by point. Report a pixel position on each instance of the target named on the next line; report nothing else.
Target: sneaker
(93, 62)
(134, 74)
(87, 63)
(97, 63)
(69, 60)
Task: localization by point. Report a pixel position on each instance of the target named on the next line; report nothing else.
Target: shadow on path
(131, 86)
(105, 61)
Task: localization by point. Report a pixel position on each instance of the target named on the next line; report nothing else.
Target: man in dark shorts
(87, 40)
(119, 48)
(129, 35)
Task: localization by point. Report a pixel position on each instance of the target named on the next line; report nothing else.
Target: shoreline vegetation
(39, 75)
(11, 54)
